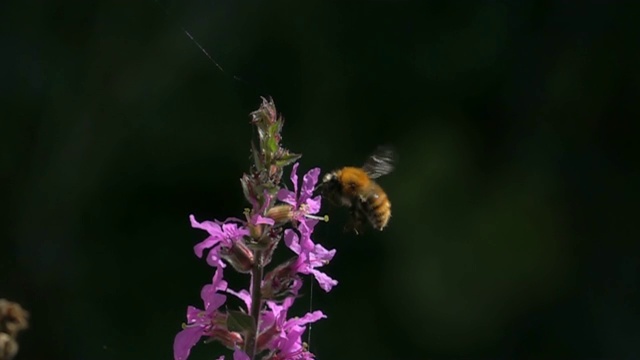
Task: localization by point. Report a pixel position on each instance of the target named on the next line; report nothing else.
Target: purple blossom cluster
(263, 330)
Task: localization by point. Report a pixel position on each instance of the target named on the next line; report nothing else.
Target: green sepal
(287, 159)
(246, 190)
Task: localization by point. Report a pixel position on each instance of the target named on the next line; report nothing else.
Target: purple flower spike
(220, 235)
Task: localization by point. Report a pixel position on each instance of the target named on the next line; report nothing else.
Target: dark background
(514, 197)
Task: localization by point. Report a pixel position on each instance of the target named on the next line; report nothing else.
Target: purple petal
(254, 203)
(297, 285)
(310, 318)
(302, 264)
(326, 283)
(212, 228)
(267, 319)
(291, 240)
(240, 355)
(306, 244)
(185, 340)
(217, 281)
(209, 242)
(314, 204)
(294, 178)
(274, 307)
(231, 231)
(193, 314)
(258, 219)
(278, 313)
(321, 254)
(309, 181)
(214, 259)
(287, 196)
(267, 201)
(292, 341)
(211, 299)
(306, 226)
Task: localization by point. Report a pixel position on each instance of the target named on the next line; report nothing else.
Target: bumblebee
(354, 187)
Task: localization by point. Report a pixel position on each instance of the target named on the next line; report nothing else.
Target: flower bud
(230, 339)
(255, 230)
(279, 282)
(280, 213)
(239, 256)
(265, 114)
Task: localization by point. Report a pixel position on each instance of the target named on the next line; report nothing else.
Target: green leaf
(273, 129)
(240, 322)
(287, 159)
(272, 145)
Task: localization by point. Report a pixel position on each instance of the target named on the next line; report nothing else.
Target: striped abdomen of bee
(377, 207)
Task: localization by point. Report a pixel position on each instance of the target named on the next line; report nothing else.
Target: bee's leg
(355, 221)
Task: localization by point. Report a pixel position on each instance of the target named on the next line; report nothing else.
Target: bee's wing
(381, 162)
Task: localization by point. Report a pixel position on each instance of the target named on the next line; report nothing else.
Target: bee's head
(330, 187)
(328, 177)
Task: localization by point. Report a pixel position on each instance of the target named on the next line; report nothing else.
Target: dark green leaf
(240, 322)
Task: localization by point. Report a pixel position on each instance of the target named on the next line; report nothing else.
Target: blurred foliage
(513, 200)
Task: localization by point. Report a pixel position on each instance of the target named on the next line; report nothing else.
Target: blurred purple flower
(302, 202)
(309, 260)
(221, 234)
(201, 322)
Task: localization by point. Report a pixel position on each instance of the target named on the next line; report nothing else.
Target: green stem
(256, 303)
